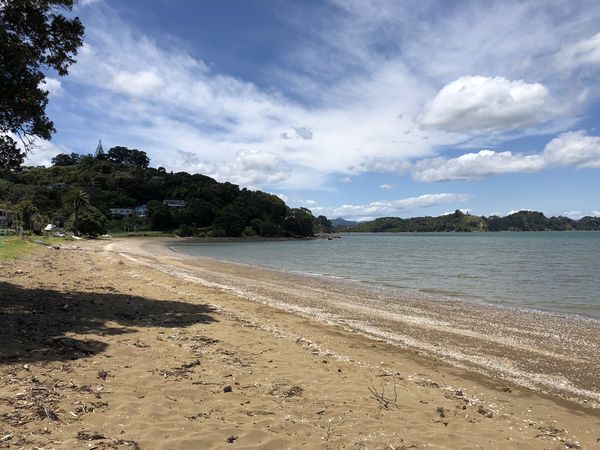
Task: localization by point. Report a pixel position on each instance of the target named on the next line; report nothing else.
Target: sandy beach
(125, 344)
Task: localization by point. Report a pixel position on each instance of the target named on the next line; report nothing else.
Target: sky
(355, 109)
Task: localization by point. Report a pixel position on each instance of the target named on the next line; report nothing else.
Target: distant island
(460, 222)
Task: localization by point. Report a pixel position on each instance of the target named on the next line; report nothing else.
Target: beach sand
(125, 344)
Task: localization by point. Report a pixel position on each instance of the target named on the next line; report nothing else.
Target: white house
(174, 203)
(124, 212)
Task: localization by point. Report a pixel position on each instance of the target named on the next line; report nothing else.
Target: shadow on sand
(38, 324)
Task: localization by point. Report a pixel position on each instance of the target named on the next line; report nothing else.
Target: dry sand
(126, 345)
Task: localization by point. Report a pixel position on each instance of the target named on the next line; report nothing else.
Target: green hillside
(122, 178)
(520, 221)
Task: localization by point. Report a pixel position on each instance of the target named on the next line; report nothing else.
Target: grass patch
(13, 248)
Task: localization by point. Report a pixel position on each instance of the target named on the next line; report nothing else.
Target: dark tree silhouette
(34, 38)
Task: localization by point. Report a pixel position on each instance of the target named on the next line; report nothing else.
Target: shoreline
(509, 343)
(431, 294)
(138, 355)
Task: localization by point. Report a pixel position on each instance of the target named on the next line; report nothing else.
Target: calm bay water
(556, 271)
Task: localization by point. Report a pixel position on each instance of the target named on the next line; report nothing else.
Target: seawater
(555, 271)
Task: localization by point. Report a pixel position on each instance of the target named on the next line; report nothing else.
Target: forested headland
(460, 222)
(119, 191)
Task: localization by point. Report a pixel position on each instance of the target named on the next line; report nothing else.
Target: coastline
(175, 331)
(529, 347)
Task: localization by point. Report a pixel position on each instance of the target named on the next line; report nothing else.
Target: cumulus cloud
(583, 52)
(395, 207)
(254, 167)
(345, 98)
(574, 148)
(249, 168)
(474, 103)
(346, 180)
(386, 186)
(474, 165)
(568, 149)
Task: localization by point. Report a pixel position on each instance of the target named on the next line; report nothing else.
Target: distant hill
(460, 222)
(341, 222)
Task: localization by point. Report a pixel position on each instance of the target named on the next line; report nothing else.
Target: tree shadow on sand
(39, 324)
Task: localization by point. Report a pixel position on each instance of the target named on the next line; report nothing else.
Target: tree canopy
(34, 38)
(79, 190)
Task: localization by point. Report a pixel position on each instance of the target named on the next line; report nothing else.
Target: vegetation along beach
(280, 225)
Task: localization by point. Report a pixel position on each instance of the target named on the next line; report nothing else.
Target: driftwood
(385, 402)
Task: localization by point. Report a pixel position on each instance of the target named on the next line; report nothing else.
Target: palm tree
(77, 199)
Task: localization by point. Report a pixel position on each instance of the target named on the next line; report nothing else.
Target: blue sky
(350, 108)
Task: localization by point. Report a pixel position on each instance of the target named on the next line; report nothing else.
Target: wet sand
(126, 344)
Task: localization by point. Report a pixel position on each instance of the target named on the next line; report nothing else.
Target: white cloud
(477, 103)
(343, 99)
(583, 52)
(394, 207)
(346, 180)
(573, 214)
(43, 152)
(52, 85)
(474, 165)
(595, 213)
(574, 148)
(386, 186)
(382, 165)
(310, 203)
(568, 149)
(137, 83)
(250, 168)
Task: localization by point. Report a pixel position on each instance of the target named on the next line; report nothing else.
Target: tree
(324, 224)
(160, 216)
(62, 159)
(77, 199)
(130, 157)
(93, 222)
(299, 222)
(34, 38)
(11, 157)
(229, 223)
(26, 211)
